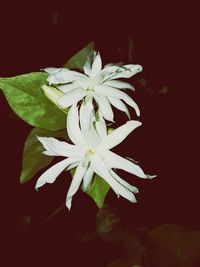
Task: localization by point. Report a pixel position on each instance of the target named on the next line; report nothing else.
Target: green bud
(52, 93)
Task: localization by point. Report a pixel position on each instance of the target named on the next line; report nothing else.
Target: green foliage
(26, 98)
(109, 226)
(173, 245)
(78, 60)
(98, 190)
(33, 158)
(167, 245)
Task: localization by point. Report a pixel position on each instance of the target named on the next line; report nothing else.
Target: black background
(35, 36)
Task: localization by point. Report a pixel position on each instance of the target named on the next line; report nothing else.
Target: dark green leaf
(126, 262)
(98, 190)
(33, 158)
(109, 226)
(78, 60)
(131, 243)
(26, 98)
(173, 246)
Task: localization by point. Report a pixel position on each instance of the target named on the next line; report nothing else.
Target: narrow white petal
(47, 145)
(119, 134)
(101, 128)
(106, 73)
(127, 71)
(65, 76)
(64, 149)
(88, 63)
(112, 92)
(119, 84)
(52, 173)
(51, 70)
(76, 181)
(73, 128)
(67, 87)
(131, 159)
(101, 169)
(87, 179)
(117, 103)
(104, 106)
(119, 162)
(124, 183)
(96, 66)
(48, 153)
(86, 114)
(87, 119)
(72, 97)
(73, 165)
(87, 67)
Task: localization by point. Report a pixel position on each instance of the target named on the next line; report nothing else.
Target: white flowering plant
(72, 111)
(75, 102)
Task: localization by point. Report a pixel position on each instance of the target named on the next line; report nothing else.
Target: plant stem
(53, 214)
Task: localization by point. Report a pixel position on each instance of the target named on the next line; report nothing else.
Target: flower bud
(52, 93)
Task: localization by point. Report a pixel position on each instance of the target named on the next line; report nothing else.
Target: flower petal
(61, 148)
(87, 179)
(47, 145)
(87, 119)
(112, 92)
(118, 162)
(124, 183)
(101, 169)
(119, 134)
(86, 114)
(96, 66)
(76, 181)
(101, 128)
(104, 106)
(72, 97)
(73, 128)
(106, 73)
(117, 103)
(73, 165)
(67, 87)
(65, 76)
(52, 173)
(87, 67)
(51, 70)
(88, 63)
(127, 71)
(119, 84)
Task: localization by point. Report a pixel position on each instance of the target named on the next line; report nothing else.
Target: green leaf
(26, 98)
(173, 245)
(98, 190)
(126, 262)
(33, 158)
(109, 225)
(78, 60)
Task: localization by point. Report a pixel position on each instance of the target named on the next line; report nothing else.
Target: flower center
(90, 153)
(90, 88)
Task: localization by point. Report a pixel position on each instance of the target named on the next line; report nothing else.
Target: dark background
(35, 36)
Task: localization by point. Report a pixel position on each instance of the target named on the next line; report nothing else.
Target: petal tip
(151, 176)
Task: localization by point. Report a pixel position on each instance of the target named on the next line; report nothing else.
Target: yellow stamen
(90, 153)
(90, 89)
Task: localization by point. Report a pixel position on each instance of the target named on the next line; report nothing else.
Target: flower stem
(53, 214)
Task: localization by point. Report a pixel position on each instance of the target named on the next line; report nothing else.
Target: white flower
(98, 82)
(90, 153)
